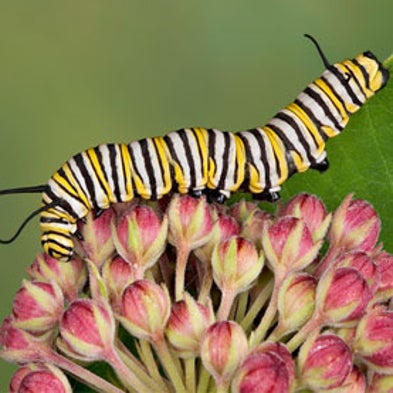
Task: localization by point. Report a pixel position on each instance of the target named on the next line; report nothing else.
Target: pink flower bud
(347, 334)
(363, 264)
(224, 228)
(254, 224)
(187, 324)
(342, 296)
(140, 237)
(223, 348)
(268, 368)
(47, 379)
(190, 221)
(374, 340)
(288, 245)
(324, 362)
(279, 349)
(96, 243)
(145, 309)
(296, 301)
(380, 383)
(312, 211)
(354, 383)
(70, 276)
(355, 226)
(241, 210)
(384, 262)
(117, 274)
(20, 374)
(227, 227)
(20, 346)
(87, 329)
(37, 306)
(236, 264)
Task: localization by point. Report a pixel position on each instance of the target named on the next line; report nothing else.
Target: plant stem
(259, 333)
(326, 261)
(126, 375)
(148, 359)
(166, 359)
(183, 251)
(277, 333)
(241, 306)
(204, 379)
(314, 324)
(207, 283)
(227, 298)
(156, 382)
(83, 374)
(222, 385)
(190, 374)
(255, 308)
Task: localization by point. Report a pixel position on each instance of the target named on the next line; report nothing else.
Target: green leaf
(361, 161)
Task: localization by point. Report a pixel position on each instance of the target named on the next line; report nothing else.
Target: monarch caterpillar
(200, 160)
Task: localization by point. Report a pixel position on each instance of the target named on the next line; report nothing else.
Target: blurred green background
(74, 74)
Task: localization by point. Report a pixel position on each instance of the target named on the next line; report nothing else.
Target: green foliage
(361, 162)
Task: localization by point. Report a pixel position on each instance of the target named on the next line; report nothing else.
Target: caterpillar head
(356, 80)
(56, 234)
(57, 228)
(58, 245)
(375, 75)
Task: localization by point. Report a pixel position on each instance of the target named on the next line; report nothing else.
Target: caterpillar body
(208, 161)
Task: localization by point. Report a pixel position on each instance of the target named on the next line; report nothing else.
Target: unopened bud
(296, 301)
(374, 340)
(241, 210)
(20, 346)
(268, 368)
(354, 383)
(70, 276)
(355, 225)
(190, 221)
(342, 296)
(140, 237)
(117, 274)
(37, 306)
(223, 348)
(187, 324)
(254, 224)
(384, 262)
(236, 264)
(364, 264)
(380, 383)
(96, 238)
(289, 246)
(324, 362)
(48, 379)
(87, 329)
(224, 228)
(145, 309)
(312, 211)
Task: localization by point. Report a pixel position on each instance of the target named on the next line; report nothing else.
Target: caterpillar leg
(216, 196)
(78, 235)
(321, 166)
(267, 195)
(195, 193)
(98, 212)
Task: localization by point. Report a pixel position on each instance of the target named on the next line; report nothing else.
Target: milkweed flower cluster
(185, 296)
